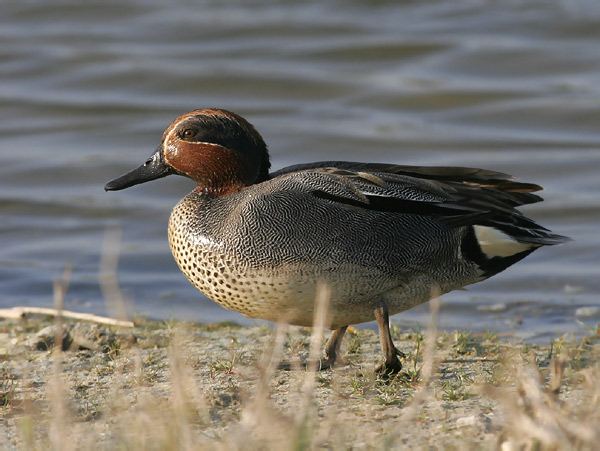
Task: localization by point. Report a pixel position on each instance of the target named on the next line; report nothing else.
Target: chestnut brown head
(216, 148)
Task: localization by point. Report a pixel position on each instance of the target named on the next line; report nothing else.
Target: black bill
(154, 168)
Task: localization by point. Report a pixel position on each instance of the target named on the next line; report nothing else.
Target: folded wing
(455, 196)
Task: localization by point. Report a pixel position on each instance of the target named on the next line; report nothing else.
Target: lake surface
(87, 88)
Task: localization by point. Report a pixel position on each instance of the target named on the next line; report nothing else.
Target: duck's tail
(497, 243)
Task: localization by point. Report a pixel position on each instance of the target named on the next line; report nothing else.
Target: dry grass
(205, 389)
(539, 416)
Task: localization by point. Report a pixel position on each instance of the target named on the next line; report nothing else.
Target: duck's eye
(189, 133)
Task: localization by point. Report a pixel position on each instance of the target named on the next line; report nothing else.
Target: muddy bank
(189, 386)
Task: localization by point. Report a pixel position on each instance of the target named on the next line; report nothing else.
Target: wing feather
(456, 196)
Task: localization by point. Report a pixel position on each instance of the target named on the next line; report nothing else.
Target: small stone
(466, 421)
(479, 420)
(91, 336)
(45, 338)
(87, 336)
(223, 400)
(126, 340)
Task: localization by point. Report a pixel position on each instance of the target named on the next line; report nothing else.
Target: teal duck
(383, 237)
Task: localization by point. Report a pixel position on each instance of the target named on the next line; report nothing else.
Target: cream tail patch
(495, 243)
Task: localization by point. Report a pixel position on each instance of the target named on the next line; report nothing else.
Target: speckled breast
(263, 255)
(220, 275)
(211, 253)
(274, 293)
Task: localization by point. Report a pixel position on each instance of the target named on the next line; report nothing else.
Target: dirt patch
(189, 386)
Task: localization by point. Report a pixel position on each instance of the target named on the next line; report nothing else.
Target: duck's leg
(332, 351)
(332, 348)
(392, 362)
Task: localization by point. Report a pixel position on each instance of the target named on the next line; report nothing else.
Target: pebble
(474, 420)
(44, 339)
(466, 421)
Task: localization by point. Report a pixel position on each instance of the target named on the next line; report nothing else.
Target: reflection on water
(88, 89)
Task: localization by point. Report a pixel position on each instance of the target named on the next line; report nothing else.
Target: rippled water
(87, 89)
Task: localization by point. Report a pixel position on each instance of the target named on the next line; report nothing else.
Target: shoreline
(179, 385)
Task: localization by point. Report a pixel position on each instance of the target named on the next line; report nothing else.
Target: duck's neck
(221, 178)
(217, 191)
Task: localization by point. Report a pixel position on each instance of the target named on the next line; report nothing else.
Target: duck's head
(219, 150)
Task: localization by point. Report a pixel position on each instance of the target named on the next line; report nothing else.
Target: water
(87, 89)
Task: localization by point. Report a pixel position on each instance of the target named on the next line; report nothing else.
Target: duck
(383, 238)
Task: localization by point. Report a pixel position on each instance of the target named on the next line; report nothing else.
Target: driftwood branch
(20, 312)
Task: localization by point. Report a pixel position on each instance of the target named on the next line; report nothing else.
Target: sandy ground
(189, 386)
